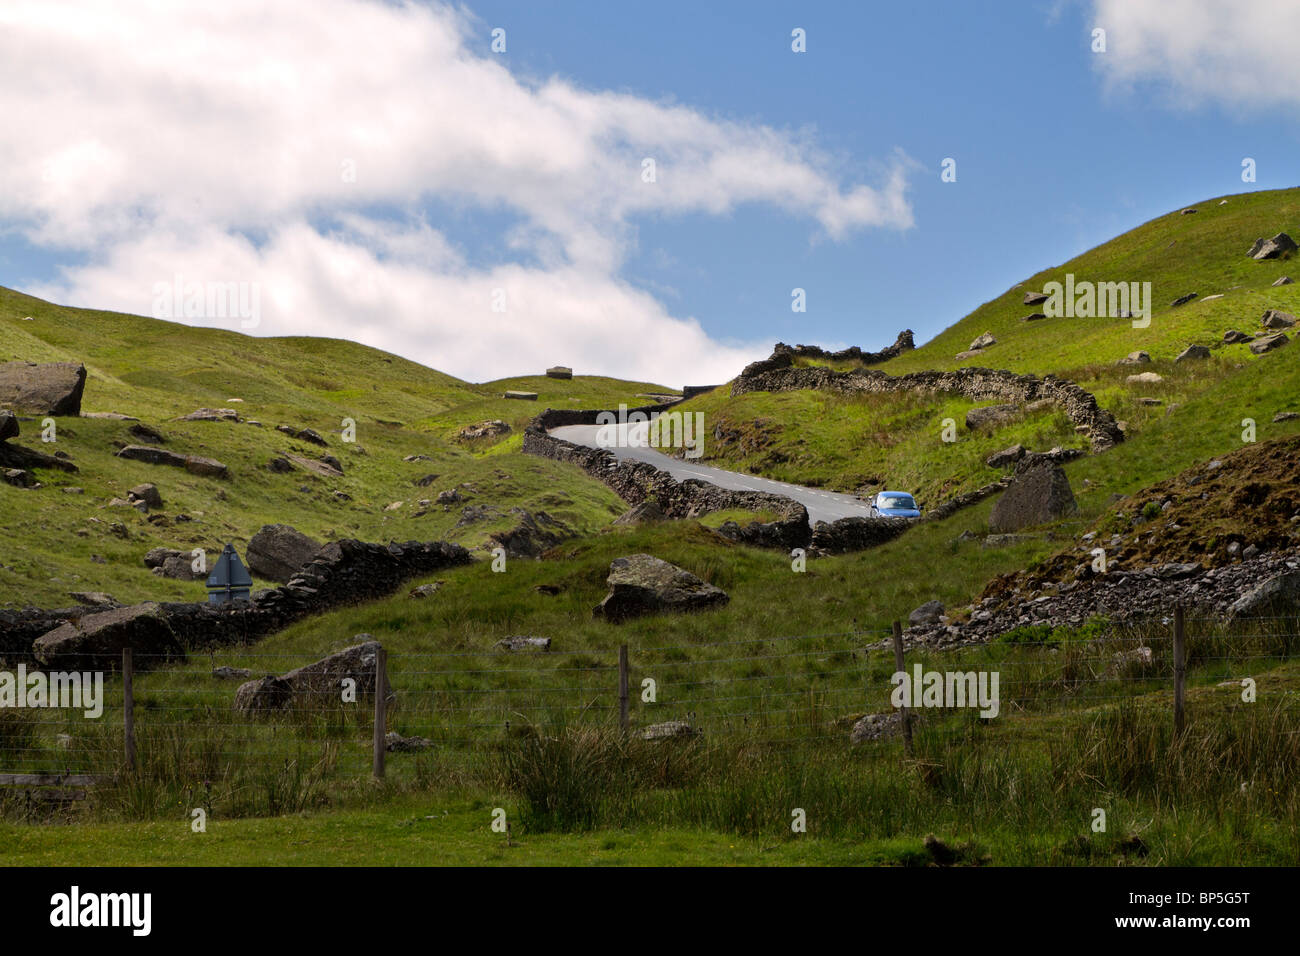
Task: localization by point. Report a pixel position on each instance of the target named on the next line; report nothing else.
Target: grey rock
(1182, 300)
(93, 598)
(1007, 456)
(669, 730)
(927, 613)
(1278, 595)
(520, 643)
(278, 551)
(1135, 358)
(1039, 493)
(492, 428)
(318, 684)
(1233, 337)
(1268, 343)
(1193, 352)
(211, 415)
(1275, 319)
(877, 727)
(396, 743)
(95, 642)
(643, 584)
(147, 493)
(51, 388)
(1278, 246)
(231, 673)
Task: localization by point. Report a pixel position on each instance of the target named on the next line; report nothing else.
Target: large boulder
(928, 613)
(1276, 320)
(317, 684)
(1039, 493)
(531, 536)
(95, 642)
(1268, 343)
(1279, 595)
(984, 341)
(278, 551)
(643, 584)
(51, 388)
(194, 464)
(1279, 245)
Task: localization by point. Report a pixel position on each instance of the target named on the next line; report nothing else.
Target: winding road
(632, 441)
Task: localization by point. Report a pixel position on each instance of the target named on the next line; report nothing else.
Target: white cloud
(1236, 53)
(153, 137)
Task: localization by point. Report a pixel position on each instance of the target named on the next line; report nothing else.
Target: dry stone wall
(342, 573)
(980, 384)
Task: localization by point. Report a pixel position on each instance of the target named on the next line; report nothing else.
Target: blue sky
(1057, 149)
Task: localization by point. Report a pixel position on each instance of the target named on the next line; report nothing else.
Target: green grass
(1075, 733)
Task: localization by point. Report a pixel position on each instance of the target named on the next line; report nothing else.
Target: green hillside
(58, 540)
(860, 443)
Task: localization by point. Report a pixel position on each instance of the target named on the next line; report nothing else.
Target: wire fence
(243, 709)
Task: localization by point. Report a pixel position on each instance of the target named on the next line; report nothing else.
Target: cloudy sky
(379, 172)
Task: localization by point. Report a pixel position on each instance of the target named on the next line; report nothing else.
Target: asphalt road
(631, 441)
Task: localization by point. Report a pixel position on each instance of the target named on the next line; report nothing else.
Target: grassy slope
(895, 440)
(157, 370)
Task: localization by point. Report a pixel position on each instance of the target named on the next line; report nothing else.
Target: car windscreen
(898, 501)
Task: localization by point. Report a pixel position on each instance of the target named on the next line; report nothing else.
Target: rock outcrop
(1039, 493)
(1280, 245)
(95, 642)
(50, 388)
(642, 584)
(318, 685)
(277, 551)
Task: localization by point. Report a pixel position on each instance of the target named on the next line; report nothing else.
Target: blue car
(894, 504)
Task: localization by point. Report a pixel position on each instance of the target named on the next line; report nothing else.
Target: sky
(635, 190)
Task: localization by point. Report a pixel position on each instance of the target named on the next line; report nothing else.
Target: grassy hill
(58, 540)
(793, 658)
(852, 443)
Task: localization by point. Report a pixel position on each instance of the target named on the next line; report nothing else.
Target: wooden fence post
(1180, 670)
(900, 668)
(128, 706)
(381, 710)
(622, 687)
